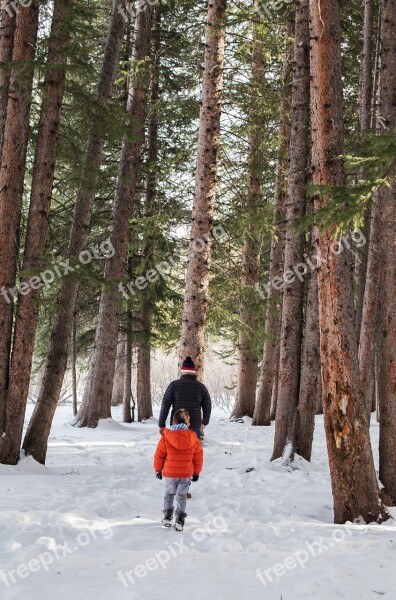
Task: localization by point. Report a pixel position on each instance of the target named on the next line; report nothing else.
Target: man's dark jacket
(189, 393)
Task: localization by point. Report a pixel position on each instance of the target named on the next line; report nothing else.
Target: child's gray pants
(176, 487)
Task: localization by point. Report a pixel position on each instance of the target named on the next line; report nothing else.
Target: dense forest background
(207, 180)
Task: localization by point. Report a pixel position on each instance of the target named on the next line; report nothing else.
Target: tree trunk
(36, 438)
(374, 94)
(360, 270)
(74, 366)
(293, 294)
(387, 342)
(370, 313)
(7, 30)
(366, 68)
(368, 340)
(353, 478)
(143, 367)
(387, 367)
(197, 278)
(128, 371)
(319, 398)
(374, 398)
(15, 141)
(117, 396)
(37, 227)
(376, 401)
(248, 311)
(97, 396)
(310, 368)
(365, 100)
(264, 412)
(274, 399)
(143, 375)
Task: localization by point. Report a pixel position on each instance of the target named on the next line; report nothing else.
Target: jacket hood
(181, 439)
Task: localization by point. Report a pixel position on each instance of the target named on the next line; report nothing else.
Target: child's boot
(180, 519)
(168, 516)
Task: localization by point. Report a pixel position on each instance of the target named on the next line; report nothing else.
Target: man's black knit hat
(188, 367)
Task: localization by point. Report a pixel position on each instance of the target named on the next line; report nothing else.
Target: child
(178, 456)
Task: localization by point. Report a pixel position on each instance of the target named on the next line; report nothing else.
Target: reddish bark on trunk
(387, 201)
(293, 294)
(37, 226)
(96, 402)
(7, 30)
(310, 368)
(353, 478)
(247, 365)
(12, 173)
(143, 367)
(368, 330)
(36, 438)
(365, 104)
(264, 412)
(192, 341)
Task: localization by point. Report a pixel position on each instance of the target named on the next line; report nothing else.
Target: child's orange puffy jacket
(179, 454)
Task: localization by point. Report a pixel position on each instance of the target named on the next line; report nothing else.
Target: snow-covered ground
(87, 526)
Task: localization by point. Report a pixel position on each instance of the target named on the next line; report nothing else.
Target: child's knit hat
(188, 367)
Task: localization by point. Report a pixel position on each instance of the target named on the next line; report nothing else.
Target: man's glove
(195, 478)
(158, 475)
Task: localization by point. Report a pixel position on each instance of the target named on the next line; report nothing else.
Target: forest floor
(87, 526)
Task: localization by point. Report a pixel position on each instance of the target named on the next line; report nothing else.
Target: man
(189, 393)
